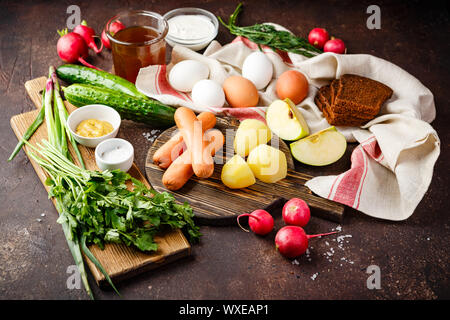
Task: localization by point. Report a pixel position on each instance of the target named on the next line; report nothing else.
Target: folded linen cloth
(392, 167)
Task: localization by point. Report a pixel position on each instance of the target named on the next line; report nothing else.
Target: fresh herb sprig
(264, 34)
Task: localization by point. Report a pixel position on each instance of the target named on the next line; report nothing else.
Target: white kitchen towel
(392, 167)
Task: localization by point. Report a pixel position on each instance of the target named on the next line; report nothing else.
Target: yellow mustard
(93, 128)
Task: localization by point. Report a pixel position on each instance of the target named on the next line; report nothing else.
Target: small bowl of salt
(114, 154)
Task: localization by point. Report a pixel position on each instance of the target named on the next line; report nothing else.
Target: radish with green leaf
(71, 48)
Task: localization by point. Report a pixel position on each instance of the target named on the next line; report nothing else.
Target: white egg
(208, 93)
(258, 69)
(186, 73)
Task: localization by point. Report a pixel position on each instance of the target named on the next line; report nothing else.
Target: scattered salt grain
(295, 262)
(151, 136)
(38, 220)
(42, 214)
(314, 276)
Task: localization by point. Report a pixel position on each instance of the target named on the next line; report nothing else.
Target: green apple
(267, 163)
(286, 120)
(321, 148)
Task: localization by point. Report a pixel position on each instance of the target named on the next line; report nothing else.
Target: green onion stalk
(31, 130)
(63, 114)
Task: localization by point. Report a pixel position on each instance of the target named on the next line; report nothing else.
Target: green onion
(63, 116)
(30, 131)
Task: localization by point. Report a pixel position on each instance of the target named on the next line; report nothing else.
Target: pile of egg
(239, 91)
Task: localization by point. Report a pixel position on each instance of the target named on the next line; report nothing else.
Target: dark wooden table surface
(413, 255)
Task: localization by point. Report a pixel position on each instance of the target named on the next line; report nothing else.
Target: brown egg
(292, 84)
(240, 92)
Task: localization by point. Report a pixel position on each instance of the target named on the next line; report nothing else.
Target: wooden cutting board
(216, 204)
(119, 260)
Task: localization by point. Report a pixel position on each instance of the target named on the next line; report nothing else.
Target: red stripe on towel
(347, 189)
(373, 149)
(366, 169)
(164, 86)
(245, 113)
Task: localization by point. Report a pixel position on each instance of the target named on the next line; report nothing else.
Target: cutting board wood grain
(216, 204)
(120, 261)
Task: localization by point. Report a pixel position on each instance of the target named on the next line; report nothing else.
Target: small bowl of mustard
(94, 123)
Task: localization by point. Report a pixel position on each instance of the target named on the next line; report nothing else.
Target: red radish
(317, 37)
(334, 45)
(71, 48)
(114, 27)
(292, 241)
(260, 222)
(88, 35)
(296, 212)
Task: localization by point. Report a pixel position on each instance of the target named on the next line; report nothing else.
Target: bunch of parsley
(97, 207)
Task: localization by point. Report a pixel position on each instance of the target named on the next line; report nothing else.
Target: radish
(260, 222)
(71, 48)
(296, 212)
(114, 27)
(88, 35)
(335, 45)
(292, 241)
(317, 37)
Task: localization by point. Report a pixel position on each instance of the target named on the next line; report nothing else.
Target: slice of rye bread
(358, 95)
(343, 119)
(323, 96)
(322, 100)
(334, 88)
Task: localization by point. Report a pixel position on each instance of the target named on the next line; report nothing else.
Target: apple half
(320, 149)
(286, 120)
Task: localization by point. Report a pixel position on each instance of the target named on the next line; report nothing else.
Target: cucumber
(146, 111)
(72, 73)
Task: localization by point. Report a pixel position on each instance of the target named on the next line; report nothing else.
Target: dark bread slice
(340, 119)
(322, 100)
(334, 88)
(359, 95)
(322, 97)
(318, 102)
(344, 120)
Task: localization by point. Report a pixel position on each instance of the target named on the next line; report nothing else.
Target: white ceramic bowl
(120, 148)
(93, 111)
(193, 44)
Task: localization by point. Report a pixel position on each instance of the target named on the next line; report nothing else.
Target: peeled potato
(237, 174)
(251, 133)
(267, 163)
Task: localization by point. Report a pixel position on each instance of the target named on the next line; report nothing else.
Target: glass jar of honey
(137, 39)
